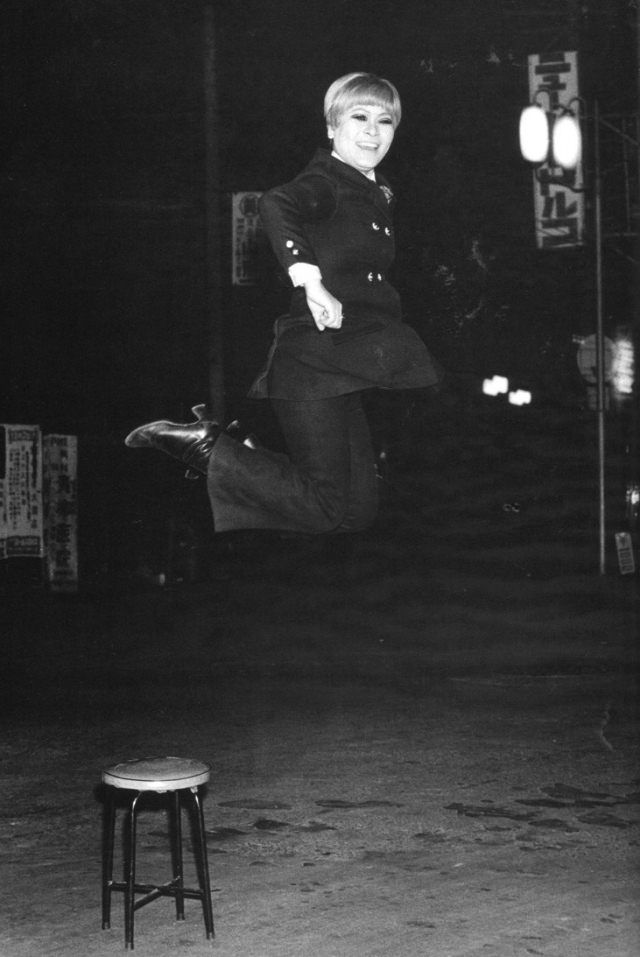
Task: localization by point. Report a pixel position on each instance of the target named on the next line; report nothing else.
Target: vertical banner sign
(559, 211)
(61, 511)
(246, 227)
(21, 525)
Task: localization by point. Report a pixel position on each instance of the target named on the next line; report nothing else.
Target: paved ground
(423, 741)
(493, 815)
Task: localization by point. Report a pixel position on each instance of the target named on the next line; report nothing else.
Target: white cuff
(300, 273)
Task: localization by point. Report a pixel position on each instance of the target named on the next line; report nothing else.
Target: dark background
(106, 317)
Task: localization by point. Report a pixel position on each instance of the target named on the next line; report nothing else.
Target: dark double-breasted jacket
(334, 217)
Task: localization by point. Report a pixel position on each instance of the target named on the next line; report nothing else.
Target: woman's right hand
(325, 308)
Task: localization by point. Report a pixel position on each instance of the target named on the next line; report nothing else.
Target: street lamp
(555, 136)
(545, 135)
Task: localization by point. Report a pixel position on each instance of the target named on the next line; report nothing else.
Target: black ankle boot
(191, 444)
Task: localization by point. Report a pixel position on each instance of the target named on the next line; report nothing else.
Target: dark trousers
(326, 483)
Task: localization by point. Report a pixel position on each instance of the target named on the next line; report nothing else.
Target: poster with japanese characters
(558, 197)
(61, 511)
(246, 227)
(21, 518)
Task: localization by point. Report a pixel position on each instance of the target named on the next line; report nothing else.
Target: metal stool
(177, 776)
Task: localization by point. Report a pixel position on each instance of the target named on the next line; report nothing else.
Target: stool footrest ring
(153, 891)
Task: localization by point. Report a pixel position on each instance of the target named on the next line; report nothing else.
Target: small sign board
(246, 228)
(626, 558)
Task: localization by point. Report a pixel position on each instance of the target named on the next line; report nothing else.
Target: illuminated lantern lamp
(534, 134)
(567, 141)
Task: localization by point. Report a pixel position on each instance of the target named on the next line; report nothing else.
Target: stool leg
(178, 871)
(205, 884)
(107, 857)
(130, 877)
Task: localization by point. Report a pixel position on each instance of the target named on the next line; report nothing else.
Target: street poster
(21, 518)
(61, 511)
(246, 228)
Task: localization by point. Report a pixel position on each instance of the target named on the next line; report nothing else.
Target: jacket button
(375, 226)
(387, 231)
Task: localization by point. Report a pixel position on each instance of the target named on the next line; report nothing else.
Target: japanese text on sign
(246, 227)
(559, 209)
(61, 511)
(21, 526)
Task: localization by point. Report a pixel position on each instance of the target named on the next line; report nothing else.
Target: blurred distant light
(534, 134)
(623, 366)
(633, 503)
(498, 385)
(520, 397)
(567, 141)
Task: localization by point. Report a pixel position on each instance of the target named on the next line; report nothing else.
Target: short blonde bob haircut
(365, 89)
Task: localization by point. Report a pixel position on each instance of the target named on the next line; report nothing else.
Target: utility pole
(213, 264)
(600, 367)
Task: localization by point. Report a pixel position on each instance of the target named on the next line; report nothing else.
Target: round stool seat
(157, 774)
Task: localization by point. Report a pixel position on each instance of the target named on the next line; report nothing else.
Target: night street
(422, 742)
(319, 465)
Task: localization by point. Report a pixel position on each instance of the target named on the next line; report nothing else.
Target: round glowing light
(520, 397)
(534, 134)
(567, 142)
(496, 386)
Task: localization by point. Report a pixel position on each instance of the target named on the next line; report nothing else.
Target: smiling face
(362, 136)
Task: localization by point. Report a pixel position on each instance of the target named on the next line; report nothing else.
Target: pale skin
(361, 137)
